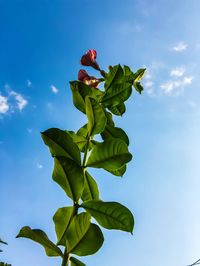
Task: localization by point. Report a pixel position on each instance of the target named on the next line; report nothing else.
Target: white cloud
(176, 86)
(179, 47)
(4, 106)
(39, 166)
(29, 83)
(54, 89)
(177, 72)
(21, 101)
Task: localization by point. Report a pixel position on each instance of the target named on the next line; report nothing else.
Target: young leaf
(115, 75)
(138, 87)
(61, 220)
(138, 76)
(69, 175)
(111, 215)
(90, 188)
(79, 140)
(119, 109)
(76, 262)
(117, 94)
(110, 155)
(96, 116)
(40, 237)
(61, 144)
(114, 132)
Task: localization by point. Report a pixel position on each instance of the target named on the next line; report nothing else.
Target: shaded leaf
(119, 109)
(76, 262)
(114, 132)
(61, 144)
(61, 220)
(138, 87)
(118, 172)
(111, 215)
(40, 237)
(79, 93)
(115, 75)
(117, 94)
(83, 238)
(96, 116)
(110, 155)
(90, 188)
(69, 175)
(110, 121)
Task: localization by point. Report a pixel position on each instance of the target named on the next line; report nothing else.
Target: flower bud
(88, 80)
(89, 59)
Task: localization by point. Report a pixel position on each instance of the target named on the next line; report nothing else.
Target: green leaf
(138, 87)
(83, 238)
(96, 116)
(76, 262)
(79, 93)
(40, 237)
(117, 94)
(110, 155)
(139, 74)
(119, 109)
(69, 175)
(79, 140)
(114, 132)
(90, 189)
(115, 75)
(129, 75)
(118, 172)
(61, 220)
(110, 121)
(111, 215)
(61, 144)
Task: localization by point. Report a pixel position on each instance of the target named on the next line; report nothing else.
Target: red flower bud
(88, 80)
(89, 59)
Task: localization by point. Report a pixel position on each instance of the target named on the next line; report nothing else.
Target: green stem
(86, 150)
(65, 258)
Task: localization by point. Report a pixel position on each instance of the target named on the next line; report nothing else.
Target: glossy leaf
(83, 238)
(110, 121)
(139, 74)
(90, 188)
(115, 132)
(61, 144)
(117, 94)
(40, 237)
(61, 220)
(111, 215)
(76, 262)
(119, 109)
(79, 93)
(79, 140)
(110, 155)
(115, 75)
(96, 116)
(118, 172)
(69, 175)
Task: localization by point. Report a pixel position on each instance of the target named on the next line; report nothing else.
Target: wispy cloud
(177, 72)
(176, 87)
(29, 83)
(21, 101)
(180, 47)
(4, 106)
(54, 89)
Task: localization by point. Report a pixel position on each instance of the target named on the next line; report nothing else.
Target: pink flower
(88, 80)
(89, 59)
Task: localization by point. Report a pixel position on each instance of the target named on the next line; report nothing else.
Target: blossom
(89, 59)
(88, 80)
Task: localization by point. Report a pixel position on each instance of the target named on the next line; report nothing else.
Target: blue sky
(41, 44)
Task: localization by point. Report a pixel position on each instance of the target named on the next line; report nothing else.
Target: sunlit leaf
(111, 215)
(118, 172)
(40, 237)
(114, 132)
(114, 76)
(90, 188)
(61, 144)
(119, 109)
(69, 175)
(61, 220)
(76, 262)
(110, 155)
(96, 116)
